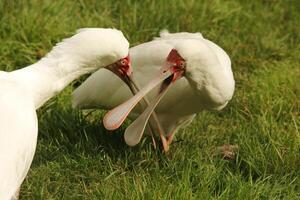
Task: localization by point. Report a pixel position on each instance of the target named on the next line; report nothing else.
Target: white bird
(207, 83)
(25, 90)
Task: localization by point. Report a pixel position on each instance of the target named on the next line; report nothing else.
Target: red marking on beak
(173, 70)
(129, 70)
(123, 70)
(174, 56)
(125, 66)
(176, 64)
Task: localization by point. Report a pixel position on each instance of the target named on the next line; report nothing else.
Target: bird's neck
(49, 76)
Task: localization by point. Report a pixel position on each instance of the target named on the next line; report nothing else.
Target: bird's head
(94, 48)
(200, 64)
(206, 67)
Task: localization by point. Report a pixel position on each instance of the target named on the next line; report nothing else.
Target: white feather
(208, 84)
(23, 91)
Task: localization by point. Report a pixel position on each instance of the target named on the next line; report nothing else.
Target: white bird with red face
(198, 70)
(25, 90)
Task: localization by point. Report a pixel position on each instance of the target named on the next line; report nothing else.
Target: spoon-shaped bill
(114, 118)
(134, 132)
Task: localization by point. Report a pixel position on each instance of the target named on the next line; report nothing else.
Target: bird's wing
(102, 89)
(18, 134)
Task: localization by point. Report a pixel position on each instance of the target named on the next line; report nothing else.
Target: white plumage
(25, 90)
(208, 82)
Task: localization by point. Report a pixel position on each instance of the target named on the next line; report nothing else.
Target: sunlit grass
(77, 158)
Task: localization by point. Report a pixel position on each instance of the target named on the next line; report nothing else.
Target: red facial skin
(177, 64)
(124, 67)
(121, 67)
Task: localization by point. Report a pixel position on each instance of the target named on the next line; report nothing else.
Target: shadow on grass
(64, 132)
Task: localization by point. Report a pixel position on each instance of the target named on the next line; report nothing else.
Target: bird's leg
(134, 89)
(150, 125)
(179, 124)
(164, 143)
(152, 136)
(171, 134)
(170, 137)
(153, 122)
(154, 119)
(133, 133)
(151, 130)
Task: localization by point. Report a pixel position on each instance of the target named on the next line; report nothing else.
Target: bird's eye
(181, 64)
(123, 62)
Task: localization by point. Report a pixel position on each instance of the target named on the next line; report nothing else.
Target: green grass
(77, 159)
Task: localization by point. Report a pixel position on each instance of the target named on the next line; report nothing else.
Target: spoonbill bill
(198, 70)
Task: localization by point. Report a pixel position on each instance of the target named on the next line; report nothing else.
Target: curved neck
(49, 76)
